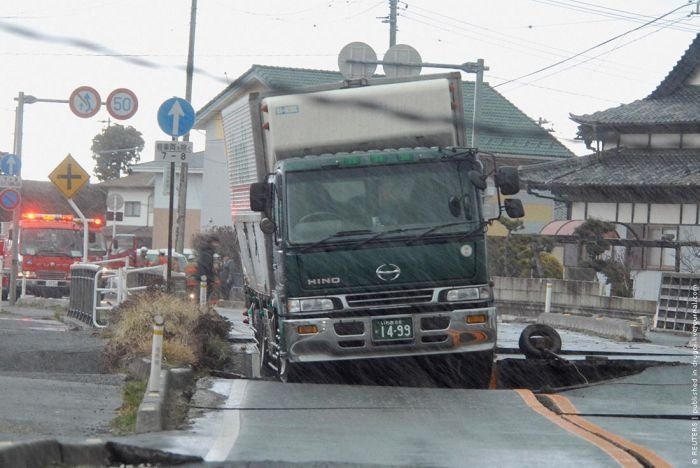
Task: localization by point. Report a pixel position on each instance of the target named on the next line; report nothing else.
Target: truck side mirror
(258, 197)
(514, 208)
(508, 180)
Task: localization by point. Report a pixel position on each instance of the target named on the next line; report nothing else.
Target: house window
(660, 258)
(132, 209)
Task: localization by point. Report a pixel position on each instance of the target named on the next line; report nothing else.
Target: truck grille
(51, 275)
(390, 298)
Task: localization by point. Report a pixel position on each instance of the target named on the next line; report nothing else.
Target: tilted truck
(366, 235)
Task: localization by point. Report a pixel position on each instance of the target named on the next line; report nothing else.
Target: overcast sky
(48, 48)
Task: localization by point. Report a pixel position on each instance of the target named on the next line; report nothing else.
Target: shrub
(186, 338)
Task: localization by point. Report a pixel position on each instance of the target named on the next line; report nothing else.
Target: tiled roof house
(644, 173)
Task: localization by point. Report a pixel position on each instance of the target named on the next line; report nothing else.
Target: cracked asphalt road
(52, 380)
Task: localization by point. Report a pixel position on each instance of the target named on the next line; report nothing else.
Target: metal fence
(96, 290)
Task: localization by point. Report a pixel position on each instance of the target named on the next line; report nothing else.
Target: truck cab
(380, 254)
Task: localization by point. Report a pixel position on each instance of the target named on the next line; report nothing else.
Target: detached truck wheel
(538, 338)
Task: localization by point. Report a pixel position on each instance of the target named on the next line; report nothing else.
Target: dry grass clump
(190, 338)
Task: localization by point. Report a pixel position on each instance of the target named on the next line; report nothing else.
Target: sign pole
(86, 228)
(114, 228)
(175, 117)
(170, 224)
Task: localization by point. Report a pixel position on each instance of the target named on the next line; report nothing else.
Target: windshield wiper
(442, 226)
(333, 236)
(383, 233)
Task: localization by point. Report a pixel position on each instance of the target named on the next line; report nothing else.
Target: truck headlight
(26, 274)
(309, 305)
(468, 294)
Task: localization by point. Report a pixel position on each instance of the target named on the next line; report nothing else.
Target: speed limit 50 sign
(122, 104)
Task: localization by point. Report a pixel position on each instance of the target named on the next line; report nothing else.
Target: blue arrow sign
(10, 164)
(175, 116)
(9, 199)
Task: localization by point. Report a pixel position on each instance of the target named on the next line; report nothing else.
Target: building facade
(644, 174)
(146, 202)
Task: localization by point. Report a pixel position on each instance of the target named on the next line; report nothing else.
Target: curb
(624, 330)
(151, 415)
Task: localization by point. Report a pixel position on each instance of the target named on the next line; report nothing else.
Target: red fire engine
(48, 245)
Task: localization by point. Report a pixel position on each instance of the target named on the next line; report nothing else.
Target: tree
(115, 150)
(521, 255)
(592, 232)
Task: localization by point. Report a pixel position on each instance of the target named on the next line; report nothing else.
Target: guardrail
(95, 289)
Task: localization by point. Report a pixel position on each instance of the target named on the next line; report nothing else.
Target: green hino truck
(366, 238)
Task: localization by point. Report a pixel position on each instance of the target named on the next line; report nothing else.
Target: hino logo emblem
(388, 272)
(322, 281)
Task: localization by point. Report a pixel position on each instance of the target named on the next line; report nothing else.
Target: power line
(510, 48)
(607, 41)
(509, 39)
(608, 51)
(599, 10)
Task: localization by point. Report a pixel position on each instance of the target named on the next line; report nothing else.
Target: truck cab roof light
(47, 216)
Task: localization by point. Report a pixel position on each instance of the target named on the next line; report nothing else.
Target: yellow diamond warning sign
(69, 177)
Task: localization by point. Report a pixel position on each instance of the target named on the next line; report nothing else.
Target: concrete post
(156, 355)
(548, 297)
(202, 292)
(24, 286)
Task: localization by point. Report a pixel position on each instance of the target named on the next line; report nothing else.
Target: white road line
(49, 325)
(231, 424)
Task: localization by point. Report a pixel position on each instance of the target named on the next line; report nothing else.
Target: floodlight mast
(476, 68)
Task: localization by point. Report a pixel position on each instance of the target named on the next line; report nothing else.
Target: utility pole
(392, 22)
(19, 122)
(184, 167)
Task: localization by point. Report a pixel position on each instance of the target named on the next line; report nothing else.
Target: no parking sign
(9, 199)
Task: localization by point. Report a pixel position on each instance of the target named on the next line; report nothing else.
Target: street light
(21, 99)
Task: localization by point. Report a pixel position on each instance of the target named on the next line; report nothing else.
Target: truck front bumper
(353, 337)
(44, 287)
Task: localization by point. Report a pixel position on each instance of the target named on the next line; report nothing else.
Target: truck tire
(537, 338)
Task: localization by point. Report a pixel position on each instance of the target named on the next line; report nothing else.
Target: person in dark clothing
(226, 276)
(205, 261)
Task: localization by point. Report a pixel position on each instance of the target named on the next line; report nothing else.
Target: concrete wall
(525, 296)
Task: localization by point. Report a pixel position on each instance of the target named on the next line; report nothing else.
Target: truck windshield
(48, 242)
(369, 200)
